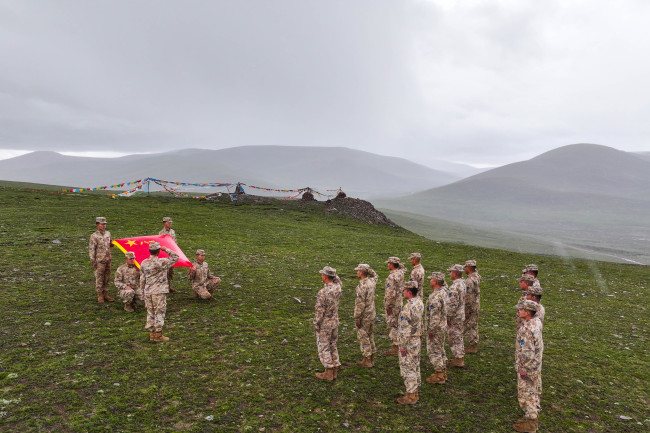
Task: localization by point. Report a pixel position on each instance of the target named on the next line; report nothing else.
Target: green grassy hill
(246, 362)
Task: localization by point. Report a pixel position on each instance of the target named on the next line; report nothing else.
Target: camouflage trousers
(409, 365)
(366, 337)
(326, 341)
(102, 276)
(529, 391)
(455, 333)
(392, 321)
(131, 297)
(156, 310)
(170, 276)
(471, 322)
(204, 291)
(436, 350)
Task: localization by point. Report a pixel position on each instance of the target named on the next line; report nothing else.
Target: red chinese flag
(140, 246)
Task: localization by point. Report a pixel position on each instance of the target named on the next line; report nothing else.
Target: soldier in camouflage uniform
(99, 250)
(472, 305)
(528, 364)
(393, 299)
(435, 324)
(326, 322)
(203, 282)
(127, 282)
(456, 316)
(364, 313)
(153, 281)
(525, 283)
(534, 271)
(168, 230)
(409, 333)
(417, 274)
(535, 294)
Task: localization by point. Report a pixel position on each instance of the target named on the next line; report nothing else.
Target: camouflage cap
(167, 220)
(393, 260)
(129, 255)
(439, 276)
(526, 277)
(200, 252)
(534, 290)
(362, 267)
(457, 268)
(329, 271)
(530, 268)
(410, 284)
(470, 263)
(154, 246)
(527, 305)
(100, 220)
(415, 256)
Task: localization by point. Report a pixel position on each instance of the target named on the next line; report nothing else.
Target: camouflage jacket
(99, 247)
(327, 306)
(364, 302)
(529, 346)
(199, 274)
(153, 274)
(410, 321)
(394, 289)
(127, 276)
(472, 292)
(541, 313)
(169, 232)
(456, 301)
(435, 315)
(417, 275)
(536, 283)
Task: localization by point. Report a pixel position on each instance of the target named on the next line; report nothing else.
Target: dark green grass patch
(246, 361)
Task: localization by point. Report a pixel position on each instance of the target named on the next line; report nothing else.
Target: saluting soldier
(99, 250)
(417, 273)
(168, 230)
(203, 282)
(364, 313)
(529, 349)
(409, 333)
(127, 282)
(456, 316)
(472, 305)
(435, 323)
(393, 299)
(326, 322)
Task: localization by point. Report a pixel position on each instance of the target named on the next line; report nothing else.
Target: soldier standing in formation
(435, 322)
(364, 313)
(168, 230)
(525, 283)
(153, 281)
(99, 250)
(535, 294)
(409, 333)
(393, 299)
(417, 274)
(472, 305)
(203, 282)
(127, 282)
(534, 271)
(529, 348)
(456, 316)
(326, 322)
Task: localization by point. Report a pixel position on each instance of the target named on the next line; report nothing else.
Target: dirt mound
(357, 209)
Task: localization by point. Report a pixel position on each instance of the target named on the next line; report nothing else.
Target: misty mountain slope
(359, 173)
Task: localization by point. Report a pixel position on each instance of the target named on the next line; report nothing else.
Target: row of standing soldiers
(150, 284)
(450, 311)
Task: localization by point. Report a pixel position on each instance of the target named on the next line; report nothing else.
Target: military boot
(328, 374)
(526, 425)
(456, 362)
(335, 372)
(106, 297)
(472, 348)
(438, 377)
(366, 362)
(393, 351)
(128, 308)
(409, 398)
(171, 290)
(100, 298)
(152, 335)
(158, 337)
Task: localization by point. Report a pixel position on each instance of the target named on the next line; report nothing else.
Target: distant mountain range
(584, 196)
(360, 174)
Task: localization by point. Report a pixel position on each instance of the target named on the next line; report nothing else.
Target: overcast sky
(480, 82)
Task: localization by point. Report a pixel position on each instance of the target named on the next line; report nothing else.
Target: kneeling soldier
(127, 282)
(203, 282)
